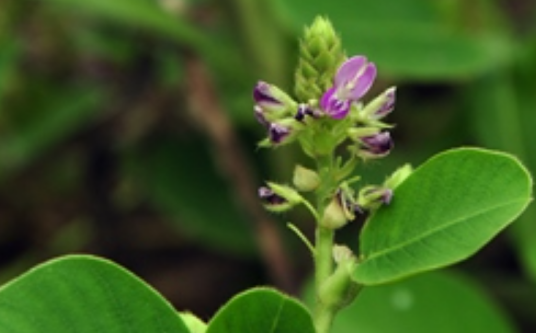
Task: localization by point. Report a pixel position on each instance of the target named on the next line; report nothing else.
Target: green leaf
(262, 310)
(182, 181)
(444, 212)
(152, 17)
(84, 294)
(431, 46)
(439, 302)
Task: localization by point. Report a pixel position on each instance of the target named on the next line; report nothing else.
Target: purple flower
(271, 103)
(353, 79)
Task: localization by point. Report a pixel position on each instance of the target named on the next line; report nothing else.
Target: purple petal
(363, 82)
(348, 70)
(261, 94)
(334, 107)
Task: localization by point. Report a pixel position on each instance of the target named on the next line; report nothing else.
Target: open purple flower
(353, 79)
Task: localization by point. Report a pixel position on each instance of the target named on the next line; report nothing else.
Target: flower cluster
(328, 114)
(286, 120)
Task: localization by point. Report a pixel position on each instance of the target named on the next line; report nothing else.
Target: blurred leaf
(84, 294)
(406, 39)
(262, 310)
(502, 113)
(151, 16)
(444, 212)
(439, 302)
(9, 55)
(182, 182)
(60, 115)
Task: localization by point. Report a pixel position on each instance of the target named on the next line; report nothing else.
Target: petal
(326, 98)
(363, 83)
(348, 70)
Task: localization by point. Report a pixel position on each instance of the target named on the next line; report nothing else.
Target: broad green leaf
(262, 310)
(181, 180)
(439, 302)
(410, 39)
(84, 294)
(444, 212)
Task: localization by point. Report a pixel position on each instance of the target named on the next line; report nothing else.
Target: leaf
(444, 212)
(152, 17)
(422, 304)
(262, 310)
(432, 47)
(84, 294)
(181, 180)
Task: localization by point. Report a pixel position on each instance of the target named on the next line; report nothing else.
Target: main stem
(323, 253)
(324, 268)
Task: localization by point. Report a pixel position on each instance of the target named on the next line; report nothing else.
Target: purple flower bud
(269, 197)
(305, 110)
(277, 133)
(377, 145)
(262, 94)
(388, 104)
(353, 79)
(259, 115)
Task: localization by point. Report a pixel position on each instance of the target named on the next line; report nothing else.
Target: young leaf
(444, 212)
(84, 294)
(262, 310)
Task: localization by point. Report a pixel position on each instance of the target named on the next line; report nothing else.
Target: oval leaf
(444, 212)
(84, 294)
(262, 310)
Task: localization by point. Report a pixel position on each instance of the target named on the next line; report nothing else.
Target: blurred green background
(126, 130)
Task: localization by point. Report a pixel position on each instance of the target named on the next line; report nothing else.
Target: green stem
(324, 268)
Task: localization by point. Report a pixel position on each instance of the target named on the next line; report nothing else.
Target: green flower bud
(339, 289)
(398, 176)
(286, 192)
(381, 106)
(338, 212)
(305, 179)
(320, 56)
(372, 197)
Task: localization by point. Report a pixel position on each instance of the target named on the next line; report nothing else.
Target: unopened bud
(372, 197)
(338, 212)
(381, 106)
(272, 102)
(375, 146)
(398, 177)
(305, 179)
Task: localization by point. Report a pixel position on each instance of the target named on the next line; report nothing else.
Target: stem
(324, 268)
(323, 251)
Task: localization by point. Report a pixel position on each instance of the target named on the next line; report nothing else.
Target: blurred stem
(263, 38)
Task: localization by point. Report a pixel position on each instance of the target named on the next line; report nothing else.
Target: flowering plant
(416, 220)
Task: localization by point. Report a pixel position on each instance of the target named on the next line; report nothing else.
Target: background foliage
(126, 131)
